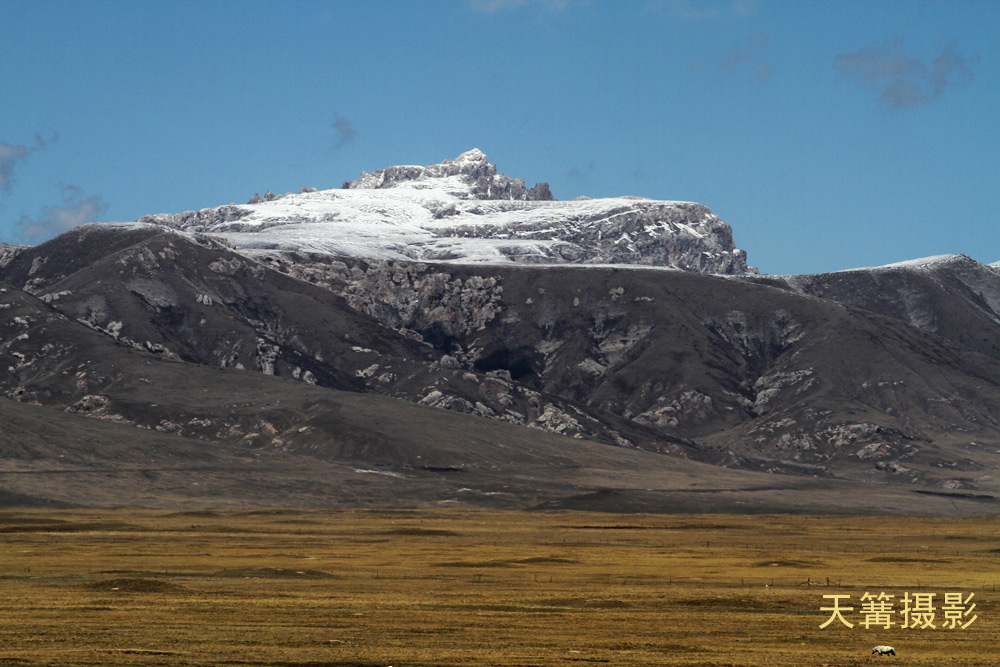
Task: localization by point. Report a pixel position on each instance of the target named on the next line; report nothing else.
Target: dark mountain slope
(736, 372)
(113, 425)
(758, 374)
(190, 298)
(953, 296)
(878, 375)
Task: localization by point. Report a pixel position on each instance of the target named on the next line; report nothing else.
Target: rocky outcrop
(473, 167)
(8, 252)
(435, 304)
(200, 220)
(423, 304)
(680, 235)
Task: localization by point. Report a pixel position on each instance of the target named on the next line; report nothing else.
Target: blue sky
(829, 134)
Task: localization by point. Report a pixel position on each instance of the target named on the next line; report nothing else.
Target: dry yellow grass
(477, 588)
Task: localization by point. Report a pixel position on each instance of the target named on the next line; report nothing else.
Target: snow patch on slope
(924, 262)
(921, 263)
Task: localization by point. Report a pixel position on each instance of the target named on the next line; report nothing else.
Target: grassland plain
(122, 587)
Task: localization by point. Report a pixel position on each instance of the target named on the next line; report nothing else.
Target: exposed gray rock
(691, 406)
(415, 299)
(681, 235)
(472, 166)
(8, 252)
(199, 220)
(90, 405)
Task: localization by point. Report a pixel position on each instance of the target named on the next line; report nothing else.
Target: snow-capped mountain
(332, 325)
(463, 211)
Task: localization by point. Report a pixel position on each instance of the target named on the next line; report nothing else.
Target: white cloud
(75, 211)
(11, 155)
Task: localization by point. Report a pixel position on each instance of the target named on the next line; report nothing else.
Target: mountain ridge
(594, 372)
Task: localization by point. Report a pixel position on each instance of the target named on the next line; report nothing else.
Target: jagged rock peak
(472, 168)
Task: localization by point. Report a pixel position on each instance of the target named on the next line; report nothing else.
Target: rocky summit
(446, 336)
(464, 211)
(472, 168)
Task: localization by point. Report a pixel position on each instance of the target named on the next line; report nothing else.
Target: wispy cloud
(11, 156)
(490, 6)
(584, 173)
(345, 131)
(747, 56)
(75, 211)
(41, 143)
(702, 10)
(902, 80)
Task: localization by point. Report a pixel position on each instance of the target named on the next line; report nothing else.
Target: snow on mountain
(924, 262)
(463, 211)
(916, 263)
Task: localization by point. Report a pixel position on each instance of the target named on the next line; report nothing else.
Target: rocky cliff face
(464, 211)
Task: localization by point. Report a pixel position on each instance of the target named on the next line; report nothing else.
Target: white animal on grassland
(881, 649)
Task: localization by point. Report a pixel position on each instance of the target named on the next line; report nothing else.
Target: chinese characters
(915, 611)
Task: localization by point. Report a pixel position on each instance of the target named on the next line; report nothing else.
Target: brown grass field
(482, 588)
